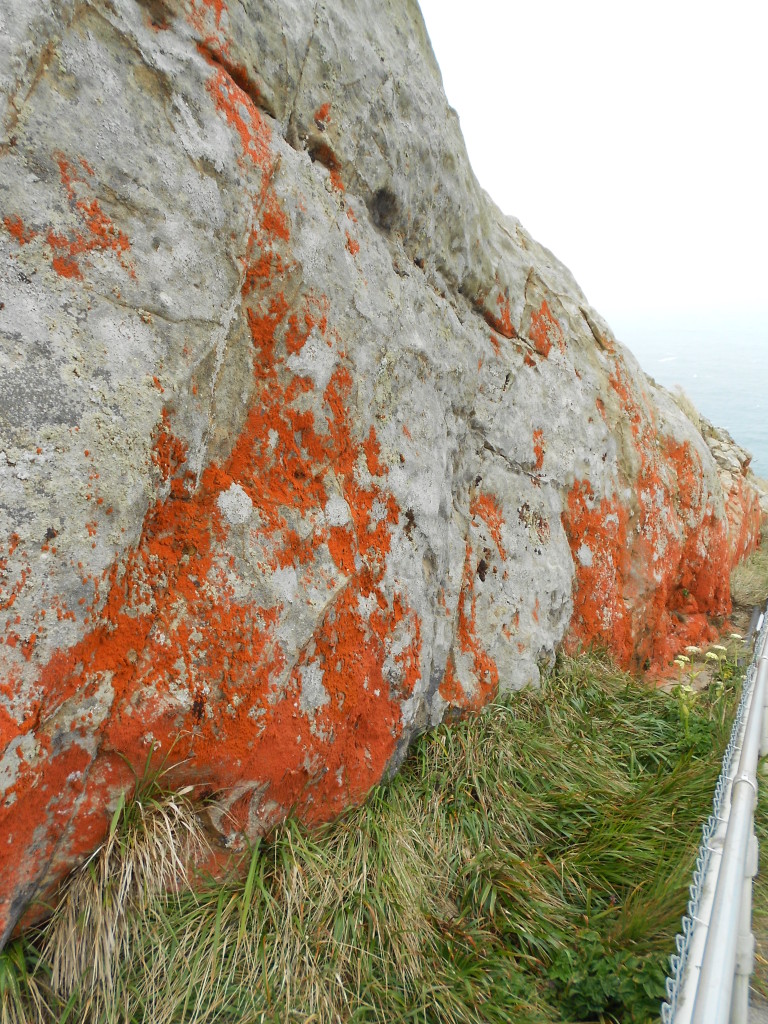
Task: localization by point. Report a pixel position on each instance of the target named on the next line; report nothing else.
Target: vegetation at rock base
(530, 864)
(749, 580)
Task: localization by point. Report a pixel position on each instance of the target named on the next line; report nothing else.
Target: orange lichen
(274, 219)
(538, 448)
(501, 324)
(744, 515)
(649, 574)
(215, 52)
(323, 114)
(545, 330)
(486, 508)
(99, 234)
(167, 451)
(242, 114)
(505, 317)
(15, 227)
(315, 315)
(597, 534)
(9, 728)
(352, 245)
(482, 683)
(205, 17)
(450, 688)
(66, 267)
(372, 450)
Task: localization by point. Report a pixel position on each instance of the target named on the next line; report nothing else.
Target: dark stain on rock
(383, 208)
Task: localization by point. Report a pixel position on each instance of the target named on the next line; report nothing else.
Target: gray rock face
(303, 442)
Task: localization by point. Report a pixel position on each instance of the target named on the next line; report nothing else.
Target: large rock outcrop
(303, 443)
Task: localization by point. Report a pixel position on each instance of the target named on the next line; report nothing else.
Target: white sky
(630, 138)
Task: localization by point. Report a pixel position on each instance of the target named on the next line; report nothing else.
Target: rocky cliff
(304, 444)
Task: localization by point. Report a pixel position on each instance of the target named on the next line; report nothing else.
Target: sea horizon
(719, 367)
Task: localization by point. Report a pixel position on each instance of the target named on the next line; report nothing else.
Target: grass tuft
(96, 927)
(529, 863)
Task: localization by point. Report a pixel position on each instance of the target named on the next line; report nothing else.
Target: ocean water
(723, 370)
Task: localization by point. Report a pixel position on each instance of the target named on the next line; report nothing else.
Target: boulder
(304, 446)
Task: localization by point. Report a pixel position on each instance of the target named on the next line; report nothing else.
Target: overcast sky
(629, 138)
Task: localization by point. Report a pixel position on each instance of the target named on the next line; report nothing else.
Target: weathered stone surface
(303, 442)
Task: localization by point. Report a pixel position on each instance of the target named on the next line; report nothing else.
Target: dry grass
(95, 928)
(685, 404)
(749, 580)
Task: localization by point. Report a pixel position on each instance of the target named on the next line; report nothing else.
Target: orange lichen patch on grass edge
(597, 534)
(647, 592)
(483, 682)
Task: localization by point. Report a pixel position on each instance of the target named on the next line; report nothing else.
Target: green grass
(528, 864)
